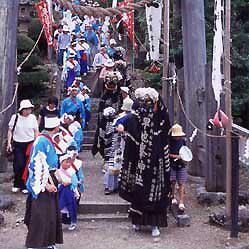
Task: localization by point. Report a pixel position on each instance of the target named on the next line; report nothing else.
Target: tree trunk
(194, 56)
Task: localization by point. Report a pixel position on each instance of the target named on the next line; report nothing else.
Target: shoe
(51, 247)
(15, 190)
(136, 227)
(107, 191)
(155, 232)
(181, 206)
(174, 201)
(72, 227)
(25, 191)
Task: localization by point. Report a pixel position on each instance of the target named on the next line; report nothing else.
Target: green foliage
(34, 28)
(32, 83)
(152, 79)
(33, 61)
(34, 78)
(24, 43)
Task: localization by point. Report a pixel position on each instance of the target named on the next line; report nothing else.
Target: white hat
(125, 89)
(127, 105)
(25, 104)
(109, 63)
(70, 89)
(67, 116)
(109, 111)
(64, 157)
(51, 122)
(113, 42)
(86, 88)
(71, 55)
(65, 28)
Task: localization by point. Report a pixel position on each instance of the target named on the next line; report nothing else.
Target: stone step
(103, 208)
(118, 217)
(88, 139)
(89, 133)
(86, 146)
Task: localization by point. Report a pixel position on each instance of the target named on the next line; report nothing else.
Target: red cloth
(26, 170)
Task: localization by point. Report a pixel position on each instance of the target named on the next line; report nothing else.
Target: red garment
(26, 170)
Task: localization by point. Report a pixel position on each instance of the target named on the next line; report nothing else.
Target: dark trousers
(60, 57)
(19, 163)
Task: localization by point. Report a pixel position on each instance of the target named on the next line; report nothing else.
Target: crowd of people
(139, 147)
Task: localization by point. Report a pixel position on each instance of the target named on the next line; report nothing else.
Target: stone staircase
(90, 130)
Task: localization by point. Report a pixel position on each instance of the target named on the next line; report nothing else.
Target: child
(76, 168)
(178, 173)
(67, 198)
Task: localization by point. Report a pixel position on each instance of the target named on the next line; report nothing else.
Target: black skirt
(149, 218)
(43, 220)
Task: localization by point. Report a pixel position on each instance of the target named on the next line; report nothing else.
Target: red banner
(44, 16)
(128, 19)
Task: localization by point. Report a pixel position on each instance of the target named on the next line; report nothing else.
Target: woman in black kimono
(145, 174)
(110, 98)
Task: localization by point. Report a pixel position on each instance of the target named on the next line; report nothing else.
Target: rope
(19, 70)
(99, 11)
(193, 124)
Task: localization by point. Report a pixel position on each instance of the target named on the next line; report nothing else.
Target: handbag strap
(14, 126)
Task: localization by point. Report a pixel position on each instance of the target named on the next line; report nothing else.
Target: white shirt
(25, 128)
(99, 60)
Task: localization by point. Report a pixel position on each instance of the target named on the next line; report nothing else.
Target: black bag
(10, 154)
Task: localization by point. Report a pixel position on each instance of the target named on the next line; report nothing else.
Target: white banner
(154, 23)
(217, 52)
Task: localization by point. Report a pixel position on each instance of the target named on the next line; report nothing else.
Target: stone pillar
(8, 30)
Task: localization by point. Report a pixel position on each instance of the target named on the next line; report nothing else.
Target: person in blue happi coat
(93, 42)
(72, 105)
(72, 69)
(42, 215)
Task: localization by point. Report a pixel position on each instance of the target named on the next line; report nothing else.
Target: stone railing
(244, 135)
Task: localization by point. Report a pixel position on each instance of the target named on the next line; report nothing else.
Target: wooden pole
(165, 85)
(8, 29)
(194, 58)
(227, 84)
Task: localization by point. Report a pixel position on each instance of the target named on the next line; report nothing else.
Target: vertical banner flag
(128, 21)
(217, 52)
(154, 23)
(43, 13)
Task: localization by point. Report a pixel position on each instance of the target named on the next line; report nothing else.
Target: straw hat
(109, 63)
(25, 104)
(176, 131)
(124, 89)
(127, 105)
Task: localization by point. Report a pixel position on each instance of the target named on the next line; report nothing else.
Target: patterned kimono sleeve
(38, 168)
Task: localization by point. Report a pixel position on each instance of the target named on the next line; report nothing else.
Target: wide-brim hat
(125, 89)
(26, 103)
(176, 131)
(65, 29)
(127, 105)
(71, 55)
(113, 42)
(109, 63)
(86, 88)
(51, 122)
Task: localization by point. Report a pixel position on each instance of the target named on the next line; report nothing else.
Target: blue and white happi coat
(43, 159)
